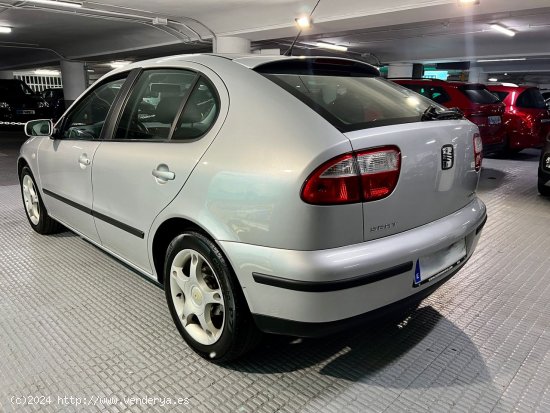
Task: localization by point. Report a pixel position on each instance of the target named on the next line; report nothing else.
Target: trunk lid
(425, 192)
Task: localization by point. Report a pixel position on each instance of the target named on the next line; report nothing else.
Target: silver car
(280, 194)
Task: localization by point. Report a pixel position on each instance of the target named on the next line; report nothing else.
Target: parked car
(289, 195)
(18, 103)
(544, 170)
(527, 118)
(473, 99)
(55, 99)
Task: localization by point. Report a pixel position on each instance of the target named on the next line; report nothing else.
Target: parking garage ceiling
(411, 31)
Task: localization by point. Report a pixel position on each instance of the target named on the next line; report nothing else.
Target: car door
(168, 121)
(65, 161)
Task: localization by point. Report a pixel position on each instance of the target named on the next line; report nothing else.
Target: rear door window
(531, 99)
(155, 102)
(478, 94)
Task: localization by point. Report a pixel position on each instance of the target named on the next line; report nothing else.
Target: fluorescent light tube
(57, 3)
(116, 65)
(46, 72)
(331, 46)
(5, 29)
(502, 60)
(493, 79)
(503, 30)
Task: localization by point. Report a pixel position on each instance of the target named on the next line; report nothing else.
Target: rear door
(65, 162)
(166, 124)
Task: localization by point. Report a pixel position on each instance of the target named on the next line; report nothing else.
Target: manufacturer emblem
(447, 157)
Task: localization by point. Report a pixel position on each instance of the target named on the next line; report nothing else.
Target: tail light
(361, 176)
(478, 151)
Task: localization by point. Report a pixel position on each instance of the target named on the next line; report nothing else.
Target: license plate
(25, 112)
(432, 266)
(494, 120)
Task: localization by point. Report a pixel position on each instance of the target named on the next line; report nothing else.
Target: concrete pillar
(476, 75)
(226, 44)
(6, 74)
(396, 70)
(73, 75)
(268, 52)
(405, 70)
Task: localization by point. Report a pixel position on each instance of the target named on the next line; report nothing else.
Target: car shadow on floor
(396, 355)
(490, 179)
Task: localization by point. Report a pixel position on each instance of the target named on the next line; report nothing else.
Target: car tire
(35, 210)
(206, 301)
(543, 189)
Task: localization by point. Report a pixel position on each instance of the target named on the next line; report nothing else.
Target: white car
(279, 194)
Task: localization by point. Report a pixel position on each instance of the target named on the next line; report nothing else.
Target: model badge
(447, 157)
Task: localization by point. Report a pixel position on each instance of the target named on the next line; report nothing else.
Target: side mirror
(40, 127)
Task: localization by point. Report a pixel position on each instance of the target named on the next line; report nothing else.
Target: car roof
(438, 82)
(250, 61)
(503, 88)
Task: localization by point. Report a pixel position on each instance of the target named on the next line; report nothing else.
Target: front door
(65, 162)
(170, 118)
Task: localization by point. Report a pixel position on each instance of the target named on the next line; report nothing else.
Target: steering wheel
(138, 126)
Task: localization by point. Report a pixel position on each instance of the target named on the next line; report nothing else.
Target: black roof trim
(320, 66)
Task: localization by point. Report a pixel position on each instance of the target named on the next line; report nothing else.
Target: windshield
(479, 94)
(10, 88)
(531, 99)
(357, 102)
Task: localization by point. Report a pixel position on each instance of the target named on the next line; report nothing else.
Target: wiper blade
(432, 113)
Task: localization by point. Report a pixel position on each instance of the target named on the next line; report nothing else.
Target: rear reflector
(362, 176)
(478, 151)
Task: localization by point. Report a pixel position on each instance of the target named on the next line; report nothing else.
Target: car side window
(154, 104)
(86, 120)
(199, 114)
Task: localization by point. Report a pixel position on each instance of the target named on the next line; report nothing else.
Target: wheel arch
(166, 232)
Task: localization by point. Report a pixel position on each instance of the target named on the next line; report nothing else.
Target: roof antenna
(303, 22)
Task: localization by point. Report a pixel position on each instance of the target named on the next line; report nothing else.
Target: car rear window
(478, 94)
(500, 95)
(531, 99)
(347, 96)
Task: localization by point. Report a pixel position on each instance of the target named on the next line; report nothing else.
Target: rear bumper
(314, 292)
(274, 325)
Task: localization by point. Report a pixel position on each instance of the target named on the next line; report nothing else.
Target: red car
(478, 104)
(527, 118)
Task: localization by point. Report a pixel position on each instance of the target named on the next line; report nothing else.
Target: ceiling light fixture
(46, 72)
(503, 30)
(121, 63)
(5, 29)
(502, 60)
(493, 79)
(60, 3)
(331, 46)
(304, 22)
(468, 2)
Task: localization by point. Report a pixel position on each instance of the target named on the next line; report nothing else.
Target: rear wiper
(432, 113)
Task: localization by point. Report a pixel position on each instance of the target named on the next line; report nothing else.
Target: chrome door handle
(163, 174)
(84, 160)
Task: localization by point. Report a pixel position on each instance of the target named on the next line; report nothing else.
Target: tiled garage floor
(75, 323)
